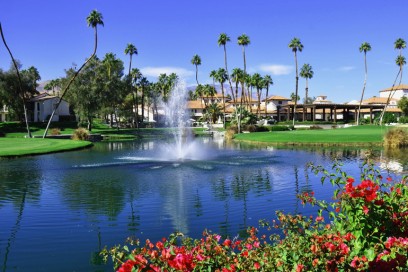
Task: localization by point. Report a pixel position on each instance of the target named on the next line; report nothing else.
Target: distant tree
(296, 45)
(238, 76)
(12, 95)
(94, 19)
(258, 83)
(221, 76)
(222, 41)
(267, 81)
(244, 41)
(112, 72)
(213, 111)
(365, 47)
(196, 60)
(293, 97)
(144, 84)
(88, 92)
(403, 105)
(53, 85)
(307, 73)
(131, 50)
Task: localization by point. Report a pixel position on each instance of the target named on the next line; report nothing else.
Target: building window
(280, 102)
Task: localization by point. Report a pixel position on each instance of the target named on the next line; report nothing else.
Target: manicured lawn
(10, 147)
(361, 135)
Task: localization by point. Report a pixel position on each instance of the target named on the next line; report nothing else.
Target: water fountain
(177, 118)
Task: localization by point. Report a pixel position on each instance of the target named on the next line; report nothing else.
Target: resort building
(397, 92)
(4, 113)
(41, 106)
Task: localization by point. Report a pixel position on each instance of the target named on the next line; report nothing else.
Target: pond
(57, 211)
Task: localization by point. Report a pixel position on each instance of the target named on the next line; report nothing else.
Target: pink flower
(257, 265)
(299, 267)
(365, 209)
(319, 219)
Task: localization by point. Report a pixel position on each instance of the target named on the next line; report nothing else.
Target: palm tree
(296, 45)
(306, 72)
(222, 40)
(110, 61)
(94, 19)
(365, 47)
(135, 76)
(131, 50)
(213, 111)
(221, 76)
(237, 75)
(267, 80)
(199, 93)
(244, 41)
(144, 83)
(196, 60)
(258, 83)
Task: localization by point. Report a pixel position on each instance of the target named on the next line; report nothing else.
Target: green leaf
(370, 254)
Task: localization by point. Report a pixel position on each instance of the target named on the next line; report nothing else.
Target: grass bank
(368, 135)
(14, 147)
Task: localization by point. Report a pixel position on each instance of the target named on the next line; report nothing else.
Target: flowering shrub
(365, 228)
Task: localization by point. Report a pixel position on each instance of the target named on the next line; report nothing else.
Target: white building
(3, 113)
(44, 104)
(397, 92)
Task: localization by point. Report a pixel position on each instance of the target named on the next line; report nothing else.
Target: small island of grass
(369, 135)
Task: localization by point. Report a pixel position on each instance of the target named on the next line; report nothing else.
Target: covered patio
(326, 112)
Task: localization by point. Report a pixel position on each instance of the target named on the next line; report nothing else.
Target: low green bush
(279, 128)
(403, 120)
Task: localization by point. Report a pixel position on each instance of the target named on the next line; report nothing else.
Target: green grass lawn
(358, 135)
(10, 147)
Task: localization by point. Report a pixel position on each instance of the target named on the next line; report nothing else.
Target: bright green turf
(10, 147)
(357, 135)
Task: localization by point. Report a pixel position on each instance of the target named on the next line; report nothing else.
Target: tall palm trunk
(229, 79)
(223, 103)
(390, 96)
(245, 74)
(20, 85)
(258, 92)
(307, 90)
(297, 87)
(71, 81)
(266, 101)
(364, 86)
(143, 102)
(196, 73)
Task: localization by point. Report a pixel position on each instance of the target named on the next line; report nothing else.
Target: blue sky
(53, 34)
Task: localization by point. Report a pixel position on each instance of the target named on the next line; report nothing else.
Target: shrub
(250, 128)
(262, 129)
(396, 137)
(315, 127)
(403, 120)
(80, 134)
(279, 128)
(55, 131)
(364, 229)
